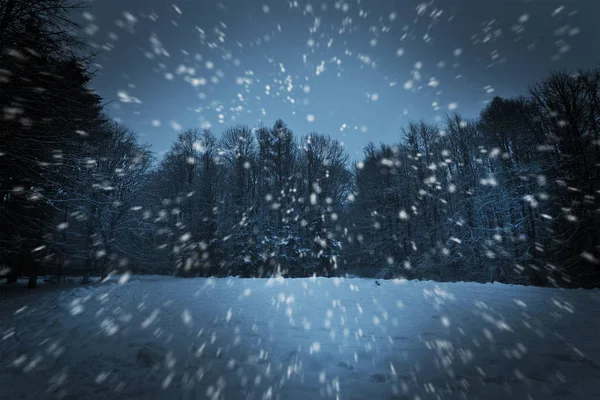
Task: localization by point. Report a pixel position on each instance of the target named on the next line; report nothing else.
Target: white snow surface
(150, 337)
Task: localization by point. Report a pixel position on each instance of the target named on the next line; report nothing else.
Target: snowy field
(168, 338)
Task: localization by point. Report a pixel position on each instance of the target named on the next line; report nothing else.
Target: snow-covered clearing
(161, 337)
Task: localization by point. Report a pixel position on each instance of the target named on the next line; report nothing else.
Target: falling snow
(423, 146)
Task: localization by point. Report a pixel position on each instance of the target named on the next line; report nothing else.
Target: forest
(510, 196)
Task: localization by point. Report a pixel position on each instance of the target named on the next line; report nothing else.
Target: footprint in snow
(378, 378)
(346, 366)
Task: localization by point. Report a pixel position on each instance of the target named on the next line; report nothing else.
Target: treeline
(510, 196)
(66, 171)
(250, 203)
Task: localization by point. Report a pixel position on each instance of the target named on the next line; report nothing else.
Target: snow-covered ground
(161, 337)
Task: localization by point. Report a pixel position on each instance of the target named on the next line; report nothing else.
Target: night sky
(357, 70)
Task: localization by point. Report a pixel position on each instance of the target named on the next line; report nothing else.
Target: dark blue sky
(357, 70)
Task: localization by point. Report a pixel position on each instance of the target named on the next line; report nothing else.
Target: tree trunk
(104, 269)
(12, 276)
(33, 276)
